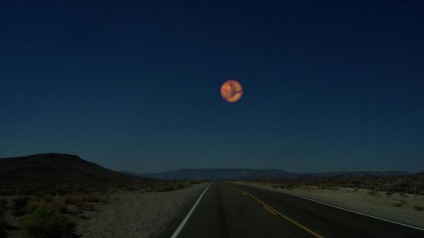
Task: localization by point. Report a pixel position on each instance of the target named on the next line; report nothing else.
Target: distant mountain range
(57, 168)
(66, 168)
(220, 174)
(253, 174)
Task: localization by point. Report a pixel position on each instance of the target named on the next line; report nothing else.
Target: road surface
(230, 210)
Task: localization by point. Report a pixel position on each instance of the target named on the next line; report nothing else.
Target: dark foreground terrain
(56, 195)
(48, 195)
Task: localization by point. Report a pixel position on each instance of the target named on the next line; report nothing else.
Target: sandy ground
(136, 214)
(403, 208)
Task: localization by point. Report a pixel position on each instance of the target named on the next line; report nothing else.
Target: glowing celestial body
(231, 91)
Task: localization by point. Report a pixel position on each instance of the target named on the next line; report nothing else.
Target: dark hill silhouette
(57, 168)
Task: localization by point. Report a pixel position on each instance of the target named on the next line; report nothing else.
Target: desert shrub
(196, 182)
(166, 186)
(73, 199)
(3, 206)
(3, 233)
(92, 197)
(5, 191)
(47, 222)
(85, 206)
(181, 185)
(3, 203)
(131, 188)
(403, 195)
(163, 188)
(418, 208)
(399, 203)
(19, 206)
(20, 203)
(48, 199)
(60, 207)
(33, 204)
(80, 198)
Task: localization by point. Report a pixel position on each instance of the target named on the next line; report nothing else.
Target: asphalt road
(229, 210)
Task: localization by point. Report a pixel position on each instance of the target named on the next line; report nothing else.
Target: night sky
(134, 85)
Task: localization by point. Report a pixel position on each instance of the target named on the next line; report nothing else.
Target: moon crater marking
(231, 91)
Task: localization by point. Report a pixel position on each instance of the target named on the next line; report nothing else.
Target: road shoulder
(396, 207)
(135, 214)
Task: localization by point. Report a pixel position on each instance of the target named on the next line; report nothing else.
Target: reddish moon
(231, 91)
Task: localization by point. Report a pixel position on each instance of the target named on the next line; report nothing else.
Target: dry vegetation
(53, 210)
(411, 184)
(34, 206)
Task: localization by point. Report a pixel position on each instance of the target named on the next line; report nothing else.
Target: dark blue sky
(134, 85)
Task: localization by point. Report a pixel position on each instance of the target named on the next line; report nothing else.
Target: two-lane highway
(229, 210)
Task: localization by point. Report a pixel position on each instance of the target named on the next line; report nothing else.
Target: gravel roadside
(136, 214)
(403, 208)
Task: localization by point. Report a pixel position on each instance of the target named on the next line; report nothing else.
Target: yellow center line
(273, 211)
(269, 209)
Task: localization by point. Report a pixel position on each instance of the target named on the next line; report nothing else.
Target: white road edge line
(181, 226)
(360, 213)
